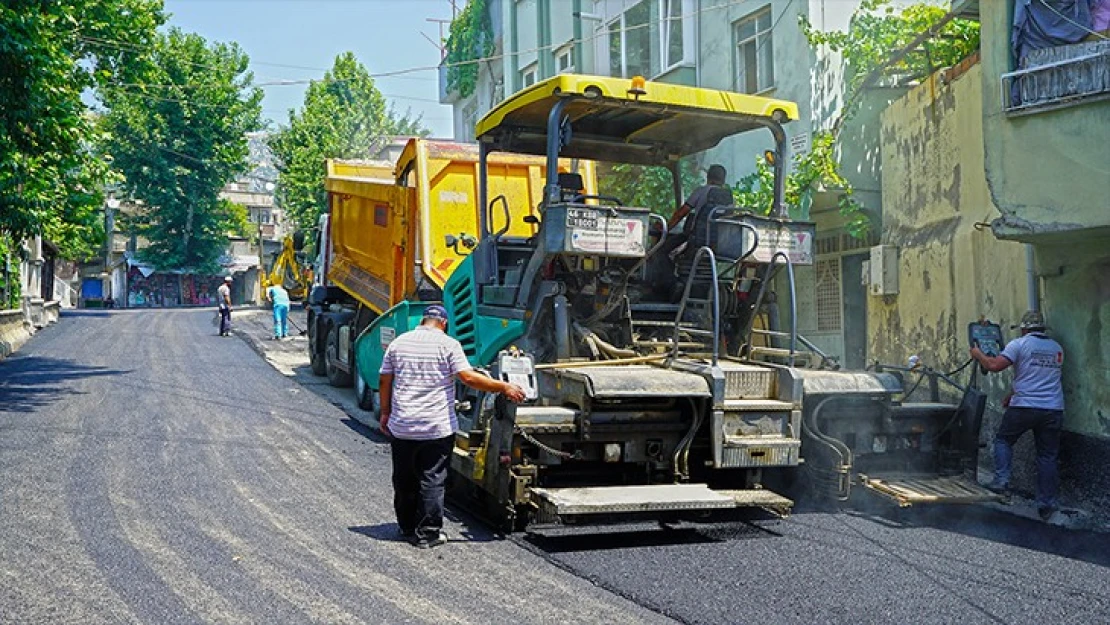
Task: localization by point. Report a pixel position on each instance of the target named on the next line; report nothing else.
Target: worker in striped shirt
(417, 385)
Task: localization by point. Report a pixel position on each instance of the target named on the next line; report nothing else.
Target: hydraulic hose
(841, 474)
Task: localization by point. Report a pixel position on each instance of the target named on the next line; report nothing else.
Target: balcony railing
(1058, 77)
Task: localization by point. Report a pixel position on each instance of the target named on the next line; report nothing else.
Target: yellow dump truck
(394, 234)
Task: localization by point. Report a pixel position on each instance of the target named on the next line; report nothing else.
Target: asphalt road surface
(152, 472)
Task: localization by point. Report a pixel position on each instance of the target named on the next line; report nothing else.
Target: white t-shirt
(1038, 362)
(223, 294)
(423, 363)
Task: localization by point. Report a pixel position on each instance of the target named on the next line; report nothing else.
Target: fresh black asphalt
(152, 472)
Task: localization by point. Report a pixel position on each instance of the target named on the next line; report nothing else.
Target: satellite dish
(269, 186)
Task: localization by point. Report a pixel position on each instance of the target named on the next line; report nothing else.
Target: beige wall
(934, 193)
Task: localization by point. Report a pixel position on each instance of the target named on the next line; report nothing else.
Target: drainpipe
(1031, 286)
(697, 44)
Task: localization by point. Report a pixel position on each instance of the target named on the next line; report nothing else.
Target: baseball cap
(435, 311)
(228, 278)
(1032, 319)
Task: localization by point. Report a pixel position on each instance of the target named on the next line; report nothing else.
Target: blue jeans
(281, 320)
(1046, 434)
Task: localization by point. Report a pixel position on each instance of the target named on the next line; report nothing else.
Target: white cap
(228, 278)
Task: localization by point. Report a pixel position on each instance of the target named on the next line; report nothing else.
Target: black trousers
(225, 320)
(419, 478)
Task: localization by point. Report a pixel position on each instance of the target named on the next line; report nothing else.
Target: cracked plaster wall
(950, 272)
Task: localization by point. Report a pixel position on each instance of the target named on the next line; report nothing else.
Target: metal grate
(828, 295)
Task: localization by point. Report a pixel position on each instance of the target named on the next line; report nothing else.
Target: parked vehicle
(395, 233)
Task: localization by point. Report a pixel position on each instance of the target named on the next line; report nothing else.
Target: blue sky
(385, 35)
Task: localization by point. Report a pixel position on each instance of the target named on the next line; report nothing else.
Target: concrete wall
(950, 271)
(1064, 144)
(16, 326)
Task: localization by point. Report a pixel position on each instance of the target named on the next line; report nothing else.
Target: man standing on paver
(223, 297)
(279, 298)
(417, 385)
(1035, 403)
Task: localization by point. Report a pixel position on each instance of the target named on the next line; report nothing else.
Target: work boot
(428, 543)
(1000, 489)
(1046, 512)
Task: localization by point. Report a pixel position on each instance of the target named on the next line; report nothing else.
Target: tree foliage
(470, 38)
(50, 54)
(344, 116)
(647, 186)
(878, 29)
(178, 138)
(814, 170)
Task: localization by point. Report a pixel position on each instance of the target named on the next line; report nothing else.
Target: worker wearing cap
(223, 299)
(1035, 403)
(417, 385)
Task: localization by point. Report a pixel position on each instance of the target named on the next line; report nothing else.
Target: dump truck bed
(388, 232)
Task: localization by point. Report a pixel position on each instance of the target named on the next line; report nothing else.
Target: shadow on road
(364, 430)
(471, 530)
(28, 383)
(84, 312)
(997, 526)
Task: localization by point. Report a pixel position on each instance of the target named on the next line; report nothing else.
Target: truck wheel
(336, 376)
(315, 354)
(367, 397)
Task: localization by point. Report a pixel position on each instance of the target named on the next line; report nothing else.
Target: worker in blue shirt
(1035, 403)
(279, 297)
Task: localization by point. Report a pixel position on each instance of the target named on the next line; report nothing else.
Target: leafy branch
(877, 30)
(470, 38)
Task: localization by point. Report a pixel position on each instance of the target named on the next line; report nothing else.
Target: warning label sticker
(594, 233)
(798, 245)
(388, 334)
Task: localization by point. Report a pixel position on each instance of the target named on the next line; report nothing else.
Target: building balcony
(447, 95)
(1058, 77)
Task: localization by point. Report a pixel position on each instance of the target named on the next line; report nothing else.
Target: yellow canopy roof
(611, 123)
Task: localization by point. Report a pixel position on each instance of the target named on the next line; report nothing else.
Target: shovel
(289, 318)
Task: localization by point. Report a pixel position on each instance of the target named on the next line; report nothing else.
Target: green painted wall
(1075, 282)
(1049, 175)
(1028, 158)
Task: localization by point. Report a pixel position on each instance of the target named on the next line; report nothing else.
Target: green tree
(877, 29)
(647, 186)
(469, 38)
(178, 138)
(344, 116)
(50, 54)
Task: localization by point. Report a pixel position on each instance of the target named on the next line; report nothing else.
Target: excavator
(286, 270)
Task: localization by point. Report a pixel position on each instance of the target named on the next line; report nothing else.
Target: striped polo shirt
(423, 363)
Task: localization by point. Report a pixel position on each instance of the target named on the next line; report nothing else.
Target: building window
(469, 120)
(564, 60)
(630, 42)
(670, 13)
(755, 68)
(528, 75)
(827, 271)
